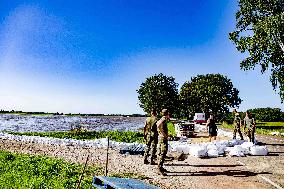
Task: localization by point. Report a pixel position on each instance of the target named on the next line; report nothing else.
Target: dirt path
(221, 172)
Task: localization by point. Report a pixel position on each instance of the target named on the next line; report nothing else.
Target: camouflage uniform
(249, 124)
(237, 127)
(151, 138)
(163, 143)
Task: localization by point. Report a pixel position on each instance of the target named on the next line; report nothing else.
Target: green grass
(119, 136)
(271, 123)
(21, 171)
(263, 127)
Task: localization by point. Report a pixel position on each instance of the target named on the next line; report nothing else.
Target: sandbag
(237, 151)
(198, 151)
(185, 149)
(258, 150)
(247, 146)
(213, 152)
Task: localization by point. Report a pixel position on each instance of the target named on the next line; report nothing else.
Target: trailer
(199, 118)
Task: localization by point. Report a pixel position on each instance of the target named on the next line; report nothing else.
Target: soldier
(249, 123)
(151, 138)
(163, 140)
(237, 125)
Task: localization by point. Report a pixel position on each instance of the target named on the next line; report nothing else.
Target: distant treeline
(69, 114)
(260, 114)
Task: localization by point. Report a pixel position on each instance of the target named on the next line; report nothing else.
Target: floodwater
(31, 123)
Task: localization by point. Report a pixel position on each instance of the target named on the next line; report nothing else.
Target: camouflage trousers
(250, 133)
(163, 146)
(237, 128)
(151, 146)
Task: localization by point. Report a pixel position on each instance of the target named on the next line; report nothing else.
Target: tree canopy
(268, 114)
(208, 93)
(260, 34)
(158, 92)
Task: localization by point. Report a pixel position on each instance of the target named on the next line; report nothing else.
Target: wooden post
(81, 176)
(106, 171)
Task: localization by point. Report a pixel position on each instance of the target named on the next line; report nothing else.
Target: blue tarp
(120, 183)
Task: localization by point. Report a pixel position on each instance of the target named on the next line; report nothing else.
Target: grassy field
(119, 136)
(263, 127)
(28, 171)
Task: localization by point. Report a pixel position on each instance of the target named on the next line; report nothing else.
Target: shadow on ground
(175, 164)
(233, 173)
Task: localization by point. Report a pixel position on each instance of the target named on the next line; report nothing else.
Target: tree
(158, 92)
(260, 34)
(267, 114)
(208, 93)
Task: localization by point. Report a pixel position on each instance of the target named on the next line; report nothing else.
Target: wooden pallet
(101, 182)
(185, 129)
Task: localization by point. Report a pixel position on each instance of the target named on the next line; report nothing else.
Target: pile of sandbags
(97, 143)
(239, 148)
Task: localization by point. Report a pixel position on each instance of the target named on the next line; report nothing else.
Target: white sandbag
(198, 151)
(213, 152)
(247, 146)
(237, 151)
(221, 149)
(275, 133)
(233, 142)
(222, 142)
(183, 149)
(258, 150)
(211, 146)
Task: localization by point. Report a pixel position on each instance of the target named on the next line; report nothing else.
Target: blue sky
(90, 56)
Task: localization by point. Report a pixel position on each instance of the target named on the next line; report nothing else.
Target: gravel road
(222, 172)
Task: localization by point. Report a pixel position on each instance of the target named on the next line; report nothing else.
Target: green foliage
(28, 171)
(158, 92)
(260, 34)
(171, 129)
(267, 114)
(119, 136)
(208, 93)
(229, 117)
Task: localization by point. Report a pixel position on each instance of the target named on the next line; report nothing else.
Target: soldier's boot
(162, 171)
(146, 160)
(152, 162)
